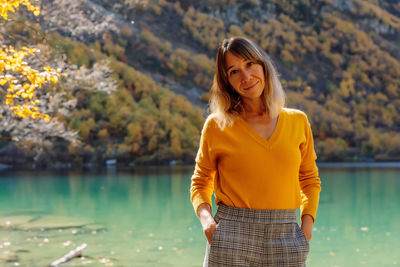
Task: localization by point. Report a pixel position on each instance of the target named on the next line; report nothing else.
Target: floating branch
(72, 254)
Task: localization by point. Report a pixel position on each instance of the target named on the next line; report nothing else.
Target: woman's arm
(309, 182)
(203, 182)
(307, 223)
(207, 221)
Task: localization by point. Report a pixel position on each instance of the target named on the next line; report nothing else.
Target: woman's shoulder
(219, 122)
(211, 119)
(295, 114)
(210, 122)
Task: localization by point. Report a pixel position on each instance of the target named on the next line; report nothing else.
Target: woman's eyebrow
(230, 67)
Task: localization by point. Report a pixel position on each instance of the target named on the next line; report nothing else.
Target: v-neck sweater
(246, 170)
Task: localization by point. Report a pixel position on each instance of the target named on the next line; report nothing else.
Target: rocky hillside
(339, 61)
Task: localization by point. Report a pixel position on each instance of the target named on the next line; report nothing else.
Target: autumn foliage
(11, 6)
(18, 80)
(338, 62)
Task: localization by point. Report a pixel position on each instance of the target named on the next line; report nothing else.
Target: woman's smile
(251, 86)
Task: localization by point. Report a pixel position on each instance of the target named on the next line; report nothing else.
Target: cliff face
(339, 62)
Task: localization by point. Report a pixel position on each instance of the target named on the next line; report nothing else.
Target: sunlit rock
(53, 223)
(14, 221)
(67, 243)
(95, 227)
(8, 256)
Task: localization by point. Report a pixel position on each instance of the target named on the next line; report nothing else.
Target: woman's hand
(207, 221)
(307, 225)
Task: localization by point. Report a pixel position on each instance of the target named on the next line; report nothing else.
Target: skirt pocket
(216, 231)
(303, 238)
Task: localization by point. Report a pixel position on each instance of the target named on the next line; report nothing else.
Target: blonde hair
(225, 103)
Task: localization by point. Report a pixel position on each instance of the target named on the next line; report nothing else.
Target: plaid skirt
(249, 237)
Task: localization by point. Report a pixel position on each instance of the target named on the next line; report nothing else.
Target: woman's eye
(233, 72)
(250, 63)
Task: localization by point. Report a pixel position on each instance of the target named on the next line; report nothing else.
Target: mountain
(339, 62)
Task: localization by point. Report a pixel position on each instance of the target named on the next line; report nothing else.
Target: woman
(258, 158)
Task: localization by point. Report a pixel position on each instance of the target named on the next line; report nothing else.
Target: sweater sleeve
(310, 183)
(202, 185)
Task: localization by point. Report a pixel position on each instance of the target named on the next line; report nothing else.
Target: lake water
(144, 218)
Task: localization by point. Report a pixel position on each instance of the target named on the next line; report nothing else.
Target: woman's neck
(253, 108)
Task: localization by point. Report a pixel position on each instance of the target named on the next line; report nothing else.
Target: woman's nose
(246, 75)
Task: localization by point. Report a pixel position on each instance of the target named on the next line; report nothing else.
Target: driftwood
(72, 254)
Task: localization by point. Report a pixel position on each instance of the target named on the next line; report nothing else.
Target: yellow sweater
(246, 170)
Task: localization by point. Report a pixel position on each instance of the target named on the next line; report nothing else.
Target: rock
(54, 223)
(95, 227)
(14, 221)
(8, 256)
(21, 250)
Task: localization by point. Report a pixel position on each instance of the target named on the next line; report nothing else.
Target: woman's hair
(225, 103)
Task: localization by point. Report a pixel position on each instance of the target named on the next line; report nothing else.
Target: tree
(18, 80)
(10, 5)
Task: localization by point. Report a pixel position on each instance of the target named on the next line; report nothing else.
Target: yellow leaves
(36, 12)
(25, 111)
(22, 81)
(47, 69)
(54, 79)
(11, 5)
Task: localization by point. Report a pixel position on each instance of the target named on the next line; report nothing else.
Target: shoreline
(183, 166)
(358, 164)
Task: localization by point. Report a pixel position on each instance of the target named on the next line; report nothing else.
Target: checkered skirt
(249, 237)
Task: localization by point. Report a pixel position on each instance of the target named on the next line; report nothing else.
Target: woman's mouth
(252, 86)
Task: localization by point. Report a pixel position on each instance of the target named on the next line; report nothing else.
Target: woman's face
(245, 76)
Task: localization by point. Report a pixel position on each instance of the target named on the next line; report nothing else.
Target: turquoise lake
(143, 217)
